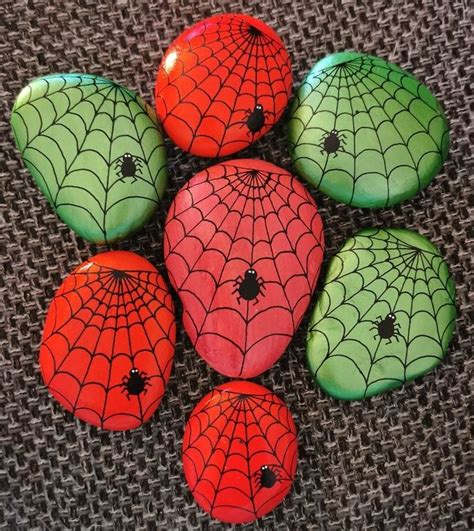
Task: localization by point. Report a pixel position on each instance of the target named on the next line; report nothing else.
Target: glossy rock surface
(385, 316)
(243, 246)
(222, 84)
(95, 150)
(108, 341)
(365, 132)
(240, 452)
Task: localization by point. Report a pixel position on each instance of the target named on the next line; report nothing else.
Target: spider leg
(375, 337)
(256, 300)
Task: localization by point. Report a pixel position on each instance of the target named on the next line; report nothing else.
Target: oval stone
(108, 341)
(240, 452)
(95, 150)
(365, 132)
(243, 247)
(223, 84)
(385, 316)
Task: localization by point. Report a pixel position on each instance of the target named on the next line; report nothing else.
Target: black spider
(332, 142)
(266, 476)
(128, 166)
(135, 383)
(249, 287)
(255, 119)
(386, 328)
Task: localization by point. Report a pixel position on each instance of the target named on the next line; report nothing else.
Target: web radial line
(338, 99)
(58, 118)
(79, 149)
(107, 187)
(226, 457)
(247, 460)
(94, 296)
(430, 295)
(409, 320)
(91, 353)
(323, 96)
(401, 257)
(235, 412)
(242, 80)
(303, 270)
(152, 347)
(247, 199)
(151, 295)
(415, 97)
(221, 85)
(267, 195)
(132, 119)
(381, 106)
(356, 88)
(361, 317)
(287, 203)
(231, 404)
(279, 406)
(265, 438)
(372, 363)
(221, 201)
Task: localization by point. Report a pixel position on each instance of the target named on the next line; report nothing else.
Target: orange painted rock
(223, 84)
(243, 248)
(108, 341)
(240, 452)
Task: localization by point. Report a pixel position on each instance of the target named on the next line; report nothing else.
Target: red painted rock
(243, 248)
(223, 84)
(108, 341)
(240, 452)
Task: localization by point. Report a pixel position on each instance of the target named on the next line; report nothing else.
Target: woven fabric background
(400, 460)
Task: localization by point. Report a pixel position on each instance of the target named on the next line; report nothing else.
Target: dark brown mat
(396, 461)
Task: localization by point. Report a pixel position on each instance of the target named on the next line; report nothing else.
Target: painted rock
(95, 150)
(108, 341)
(240, 452)
(385, 316)
(243, 247)
(365, 132)
(223, 84)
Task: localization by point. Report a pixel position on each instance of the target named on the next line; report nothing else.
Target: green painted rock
(365, 132)
(385, 316)
(95, 150)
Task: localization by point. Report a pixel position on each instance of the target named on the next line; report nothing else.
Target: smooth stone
(240, 452)
(243, 247)
(108, 341)
(385, 316)
(96, 151)
(222, 84)
(365, 132)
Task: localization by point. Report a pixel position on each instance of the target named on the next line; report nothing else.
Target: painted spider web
(225, 67)
(226, 221)
(227, 443)
(356, 349)
(103, 323)
(366, 130)
(76, 133)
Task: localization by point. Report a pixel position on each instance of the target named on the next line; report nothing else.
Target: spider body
(249, 287)
(387, 327)
(268, 477)
(255, 119)
(135, 383)
(128, 166)
(332, 142)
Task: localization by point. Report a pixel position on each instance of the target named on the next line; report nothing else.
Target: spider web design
(102, 323)
(212, 78)
(74, 132)
(226, 220)
(390, 134)
(226, 443)
(380, 272)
